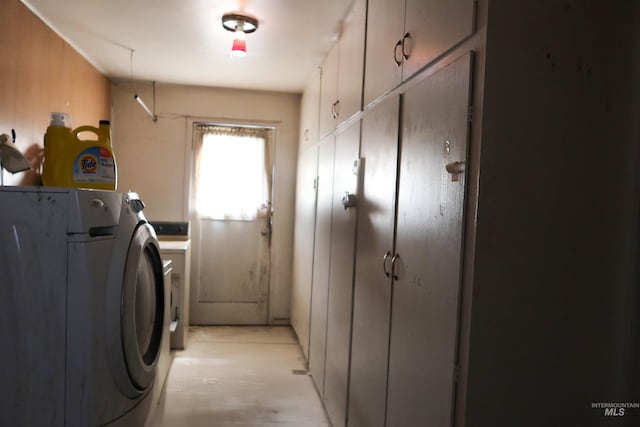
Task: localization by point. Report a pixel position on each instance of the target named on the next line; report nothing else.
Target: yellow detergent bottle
(73, 162)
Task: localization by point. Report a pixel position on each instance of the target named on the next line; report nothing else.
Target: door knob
(455, 169)
(348, 200)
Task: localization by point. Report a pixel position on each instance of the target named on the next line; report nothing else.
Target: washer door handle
(137, 205)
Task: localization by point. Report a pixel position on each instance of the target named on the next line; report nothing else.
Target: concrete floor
(240, 376)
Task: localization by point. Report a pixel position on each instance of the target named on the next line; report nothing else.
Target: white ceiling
(183, 41)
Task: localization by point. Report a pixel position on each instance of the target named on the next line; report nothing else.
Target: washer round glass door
(142, 308)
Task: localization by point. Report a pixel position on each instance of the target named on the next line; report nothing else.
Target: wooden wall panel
(41, 73)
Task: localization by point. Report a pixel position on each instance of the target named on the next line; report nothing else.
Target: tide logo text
(88, 164)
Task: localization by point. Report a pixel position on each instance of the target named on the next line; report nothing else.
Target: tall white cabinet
(426, 269)
(305, 212)
(336, 184)
(341, 265)
(496, 232)
(410, 223)
(332, 283)
(321, 265)
(304, 227)
(372, 291)
(356, 264)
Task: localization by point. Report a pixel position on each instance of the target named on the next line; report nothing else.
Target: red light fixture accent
(239, 47)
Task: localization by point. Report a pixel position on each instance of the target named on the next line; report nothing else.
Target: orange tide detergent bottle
(73, 162)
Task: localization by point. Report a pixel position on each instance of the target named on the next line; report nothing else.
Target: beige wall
(41, 73)
(154, 158)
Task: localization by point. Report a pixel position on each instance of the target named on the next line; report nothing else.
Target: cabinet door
(329, 92)
(385, 27)
(351, 62)
(429, 249)
(304, 229)
(343, 237)
(372, 291)
(433, 27)
(321, 254)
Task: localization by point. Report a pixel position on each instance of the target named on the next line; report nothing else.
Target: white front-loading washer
(83, 315)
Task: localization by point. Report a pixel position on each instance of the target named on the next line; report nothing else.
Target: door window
(232, 181)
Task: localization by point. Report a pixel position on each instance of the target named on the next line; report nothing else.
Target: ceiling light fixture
(240, 25)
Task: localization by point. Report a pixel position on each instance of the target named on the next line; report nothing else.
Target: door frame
(189, 191)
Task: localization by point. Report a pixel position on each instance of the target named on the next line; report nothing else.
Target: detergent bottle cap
(104, 122)
(60, 120)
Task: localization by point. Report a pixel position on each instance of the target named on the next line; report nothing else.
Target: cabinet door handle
(334, 110)
(384, 264)
(393, 266)
(406, 46)
(397, 53)
(337, 109)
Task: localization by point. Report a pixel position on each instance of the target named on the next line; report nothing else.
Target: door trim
(191, 214)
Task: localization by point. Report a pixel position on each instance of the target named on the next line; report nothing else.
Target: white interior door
(232, 227)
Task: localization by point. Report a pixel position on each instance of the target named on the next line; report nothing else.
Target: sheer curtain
(232, 180)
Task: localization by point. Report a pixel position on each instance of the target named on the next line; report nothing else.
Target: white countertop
(174, 245)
